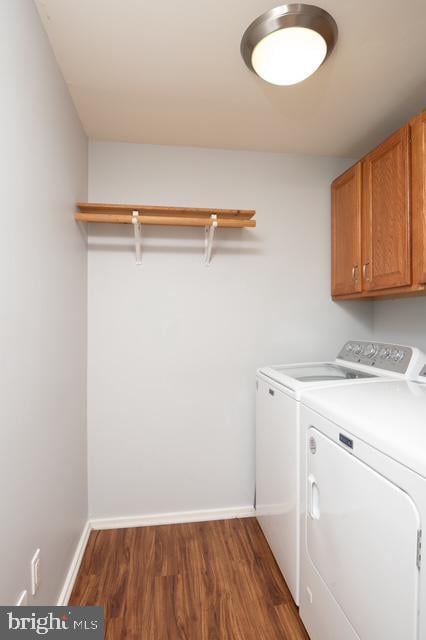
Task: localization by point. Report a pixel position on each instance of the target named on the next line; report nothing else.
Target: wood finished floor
(205, 581)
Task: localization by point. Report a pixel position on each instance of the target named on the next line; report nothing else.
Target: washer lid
(388, 415)
(295, 376)
(322, 371)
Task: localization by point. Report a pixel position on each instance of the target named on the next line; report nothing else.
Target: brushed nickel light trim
(286, 16)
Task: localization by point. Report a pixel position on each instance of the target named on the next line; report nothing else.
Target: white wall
(43, 164)
(402, 321)
(173, 345)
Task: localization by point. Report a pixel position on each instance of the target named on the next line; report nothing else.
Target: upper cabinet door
(346, 232)
(418, 202)
(386, 214)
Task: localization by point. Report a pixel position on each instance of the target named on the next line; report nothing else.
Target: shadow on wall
(165, 240)
(383, 127)
(401, 320)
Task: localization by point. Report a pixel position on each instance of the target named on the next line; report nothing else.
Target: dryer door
(361, 536)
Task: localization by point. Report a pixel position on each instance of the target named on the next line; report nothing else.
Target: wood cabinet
(386, 214)
(379, 219)
(346, 232)
(418, 154)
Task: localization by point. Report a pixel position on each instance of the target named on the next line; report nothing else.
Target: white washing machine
(279, 391)
(364, 510)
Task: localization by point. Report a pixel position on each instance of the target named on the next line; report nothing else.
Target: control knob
(370, 350)
(397, 355)
(357, 349)
(385, 352)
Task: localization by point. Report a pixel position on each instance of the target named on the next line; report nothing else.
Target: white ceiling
(171, 73)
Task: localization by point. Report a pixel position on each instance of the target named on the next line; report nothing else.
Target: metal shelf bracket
(138, 236)
(208, 239)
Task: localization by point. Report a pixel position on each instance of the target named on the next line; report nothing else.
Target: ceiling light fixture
(289, 43)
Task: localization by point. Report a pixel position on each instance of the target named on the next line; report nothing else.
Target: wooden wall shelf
(171, 216)
(138, 215)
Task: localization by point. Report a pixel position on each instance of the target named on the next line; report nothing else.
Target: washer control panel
(390, 357)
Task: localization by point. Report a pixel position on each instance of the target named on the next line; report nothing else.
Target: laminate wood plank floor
(204, 581)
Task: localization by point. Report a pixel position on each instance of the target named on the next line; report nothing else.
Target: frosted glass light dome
(289, 43)
(289, 55)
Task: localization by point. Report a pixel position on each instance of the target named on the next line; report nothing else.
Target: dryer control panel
(389, 357)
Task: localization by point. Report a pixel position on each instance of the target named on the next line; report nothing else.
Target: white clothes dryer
(364, 511)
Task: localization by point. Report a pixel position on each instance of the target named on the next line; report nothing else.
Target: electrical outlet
(23, 599)
(35, 572)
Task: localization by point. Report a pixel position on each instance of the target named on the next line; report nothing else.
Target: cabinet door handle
(366, 271)
(354, 273)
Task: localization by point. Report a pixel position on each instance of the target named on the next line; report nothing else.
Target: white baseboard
(74, 566)
(172, 518)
